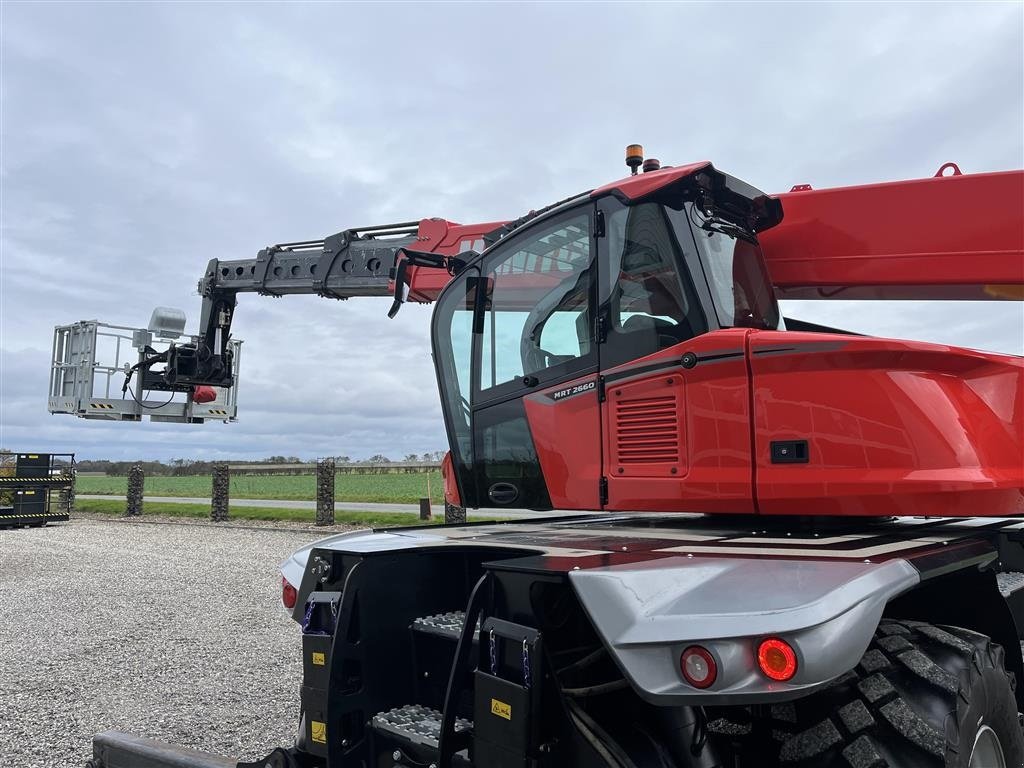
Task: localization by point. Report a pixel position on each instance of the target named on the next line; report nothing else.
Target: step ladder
(415, 733)
(412, 733)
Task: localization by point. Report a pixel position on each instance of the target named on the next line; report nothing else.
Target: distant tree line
(180, 467)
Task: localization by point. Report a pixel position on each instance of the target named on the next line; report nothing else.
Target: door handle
(503, 493)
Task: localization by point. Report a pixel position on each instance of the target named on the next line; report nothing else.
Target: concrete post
(221, 493)
(136, 481)
(454, 514)
(325, 492)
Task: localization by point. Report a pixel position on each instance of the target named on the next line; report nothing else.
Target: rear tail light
(288, 594)
(698, 667)
(777, 659)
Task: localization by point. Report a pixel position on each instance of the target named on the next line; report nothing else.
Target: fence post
(67, 494)
(221, 493)
(136, 482)
(454, 514)
(325, 492)
(425, 509)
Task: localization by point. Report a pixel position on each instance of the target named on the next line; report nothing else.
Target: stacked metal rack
(27, 484)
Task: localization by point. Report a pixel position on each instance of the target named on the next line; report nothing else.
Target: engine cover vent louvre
(647, 430)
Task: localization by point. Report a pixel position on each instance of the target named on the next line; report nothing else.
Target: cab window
(537, 317)
(453, 346)
(649, 299)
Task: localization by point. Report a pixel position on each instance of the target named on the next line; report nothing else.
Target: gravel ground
(174, 632)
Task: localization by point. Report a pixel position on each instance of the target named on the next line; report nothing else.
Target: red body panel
(714, 469)
(448, 238)
(567, 437)
(635, 187)
(451, 487)
(894, 427)
(948, 237)
(672, 439)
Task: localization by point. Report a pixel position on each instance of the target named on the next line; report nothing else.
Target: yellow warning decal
(318, 731)
(501, 709)
(318, 659)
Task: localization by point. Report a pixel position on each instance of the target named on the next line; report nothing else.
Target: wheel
(923, 696)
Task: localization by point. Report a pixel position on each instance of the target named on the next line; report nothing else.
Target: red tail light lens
(777, 659)
(698, 667)
(288, 594)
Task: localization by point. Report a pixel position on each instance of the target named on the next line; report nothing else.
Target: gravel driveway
(170, 631)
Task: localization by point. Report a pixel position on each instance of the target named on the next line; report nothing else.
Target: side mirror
(401, 286)
(405, 257)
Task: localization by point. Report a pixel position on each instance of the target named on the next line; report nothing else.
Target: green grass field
(172, 509)
(385, 488)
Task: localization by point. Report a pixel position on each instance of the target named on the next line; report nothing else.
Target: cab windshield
(735, 271)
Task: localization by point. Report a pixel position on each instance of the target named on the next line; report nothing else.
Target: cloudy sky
(138, 141)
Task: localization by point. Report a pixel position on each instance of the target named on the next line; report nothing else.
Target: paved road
(340, 506)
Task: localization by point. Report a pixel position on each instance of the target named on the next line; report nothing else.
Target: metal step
(416, 724)
(448, 625)
(1010, 582)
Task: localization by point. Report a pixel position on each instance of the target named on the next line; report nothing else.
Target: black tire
(918, 699)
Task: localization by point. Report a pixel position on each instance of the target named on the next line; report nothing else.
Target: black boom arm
(356, 262)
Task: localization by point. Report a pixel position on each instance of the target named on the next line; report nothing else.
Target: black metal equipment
(26, 486)
(356, 262)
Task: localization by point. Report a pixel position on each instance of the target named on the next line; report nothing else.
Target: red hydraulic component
(202, 394)
(448, 239)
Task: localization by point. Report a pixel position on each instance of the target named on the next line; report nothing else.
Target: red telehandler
(806, 544)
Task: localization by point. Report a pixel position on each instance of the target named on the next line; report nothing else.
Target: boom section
(941, 238)
(356, 262)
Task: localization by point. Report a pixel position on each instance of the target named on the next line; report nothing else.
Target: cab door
(535, 411)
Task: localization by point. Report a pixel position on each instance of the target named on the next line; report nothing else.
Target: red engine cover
(893, 427)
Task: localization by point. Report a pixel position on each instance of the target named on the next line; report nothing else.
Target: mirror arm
(404, 257)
